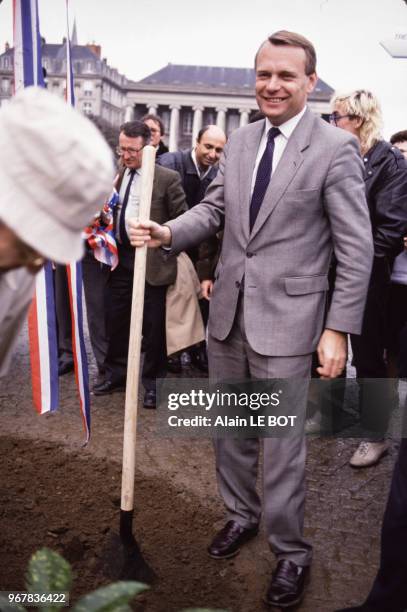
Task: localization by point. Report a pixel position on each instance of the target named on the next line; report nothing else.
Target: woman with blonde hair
(386, 192)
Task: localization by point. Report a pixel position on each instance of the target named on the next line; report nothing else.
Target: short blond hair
(363, 104)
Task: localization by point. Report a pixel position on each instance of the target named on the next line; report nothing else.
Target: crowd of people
(293, 229)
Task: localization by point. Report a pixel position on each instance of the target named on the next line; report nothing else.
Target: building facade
(188, 97)
(185, 97)
(99, 89)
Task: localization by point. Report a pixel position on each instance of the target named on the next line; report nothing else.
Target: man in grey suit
(289, 192)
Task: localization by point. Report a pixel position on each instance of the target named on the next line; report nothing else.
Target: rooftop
(213, 77)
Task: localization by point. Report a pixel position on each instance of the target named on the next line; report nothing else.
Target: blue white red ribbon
(100, 235)
(74, 272)
(41, 318)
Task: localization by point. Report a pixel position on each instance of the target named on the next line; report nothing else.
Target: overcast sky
(141, 36)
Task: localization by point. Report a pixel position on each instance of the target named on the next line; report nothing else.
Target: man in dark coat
(197, 168)
(168, 201)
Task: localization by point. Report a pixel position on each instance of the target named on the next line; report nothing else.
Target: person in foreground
(289, 190)
(55, 172)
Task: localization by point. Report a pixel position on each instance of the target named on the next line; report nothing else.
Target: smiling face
(210, 146)
(282, 86)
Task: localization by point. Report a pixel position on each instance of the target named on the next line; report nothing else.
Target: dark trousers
(389, 591)
(95, 279)
(375, 392)
(397, 326)
(63, 312)
(120, 288)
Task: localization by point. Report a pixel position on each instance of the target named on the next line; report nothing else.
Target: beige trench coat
(184, 323)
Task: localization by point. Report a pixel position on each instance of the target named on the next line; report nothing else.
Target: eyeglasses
(335, 117)
(130, 150)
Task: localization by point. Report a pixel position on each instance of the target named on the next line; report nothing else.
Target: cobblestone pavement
(343, 511)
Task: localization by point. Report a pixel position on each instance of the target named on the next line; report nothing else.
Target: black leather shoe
(150, 399)
(287, 584)
(199, 358)
(107, 387)
(228, 541)
(64, 367)
(174, 364)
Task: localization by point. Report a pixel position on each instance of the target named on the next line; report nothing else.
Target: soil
(56, 493)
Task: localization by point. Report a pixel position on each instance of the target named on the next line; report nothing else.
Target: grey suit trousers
(284, 457)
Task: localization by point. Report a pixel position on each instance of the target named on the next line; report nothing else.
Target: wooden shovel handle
(133, 362)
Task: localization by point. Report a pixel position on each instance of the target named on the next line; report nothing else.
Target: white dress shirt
(280, 142)
(133, 204)
(200, 173)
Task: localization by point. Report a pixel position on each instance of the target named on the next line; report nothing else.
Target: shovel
(135, 567)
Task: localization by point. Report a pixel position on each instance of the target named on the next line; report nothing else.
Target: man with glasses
(168, 201)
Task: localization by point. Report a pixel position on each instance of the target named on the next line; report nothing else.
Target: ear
(312, 81)
(358, 122)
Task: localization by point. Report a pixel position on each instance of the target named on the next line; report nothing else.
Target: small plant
(49, 574)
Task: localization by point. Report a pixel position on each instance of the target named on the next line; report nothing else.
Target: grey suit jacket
(315, 203)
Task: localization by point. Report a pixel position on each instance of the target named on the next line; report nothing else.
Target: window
(209, 117)
(187, 122)
(166, 118)
(88, 88)
(87, 108)
(5, 86)
(6, 63)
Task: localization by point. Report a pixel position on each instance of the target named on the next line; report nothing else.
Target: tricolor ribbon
(100, 234)
(41, 318)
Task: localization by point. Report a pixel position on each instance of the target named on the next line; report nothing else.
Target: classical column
(197, 122)
(152, 110)
(244, 117)
(174, 128)
(221, 118)
(129, 113)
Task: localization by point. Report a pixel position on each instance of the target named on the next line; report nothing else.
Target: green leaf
(111, 598)
(6, 606)
(48, 572)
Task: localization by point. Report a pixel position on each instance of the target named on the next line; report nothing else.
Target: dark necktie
(122, 223)
(263, 176)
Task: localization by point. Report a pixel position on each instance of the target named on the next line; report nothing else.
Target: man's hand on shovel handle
(148, 232)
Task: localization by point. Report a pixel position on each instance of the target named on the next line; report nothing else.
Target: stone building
(187, 97)
(99, 89)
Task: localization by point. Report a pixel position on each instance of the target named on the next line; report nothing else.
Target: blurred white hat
(56, 171)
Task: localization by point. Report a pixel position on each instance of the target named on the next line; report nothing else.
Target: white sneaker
(368, 453)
